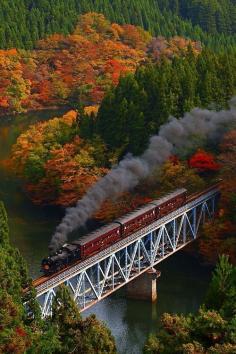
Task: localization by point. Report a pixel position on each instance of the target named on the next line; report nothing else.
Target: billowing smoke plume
(175, 136)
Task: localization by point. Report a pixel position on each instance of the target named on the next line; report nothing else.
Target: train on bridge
(106, 236)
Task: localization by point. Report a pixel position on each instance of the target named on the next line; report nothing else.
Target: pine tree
(221, 294)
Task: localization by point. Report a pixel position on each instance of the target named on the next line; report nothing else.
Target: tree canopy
(23, 22)
(22, 331)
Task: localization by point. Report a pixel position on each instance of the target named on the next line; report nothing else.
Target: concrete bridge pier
(144, 287)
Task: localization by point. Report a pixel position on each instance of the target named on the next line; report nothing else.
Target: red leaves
(20, 332)
(4, 102)
(94, 56)
(203, 161)
(115, 68)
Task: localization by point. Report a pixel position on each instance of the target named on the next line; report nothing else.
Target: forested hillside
(61, 158)
(136, 108)
(79, 68)
(36, 18)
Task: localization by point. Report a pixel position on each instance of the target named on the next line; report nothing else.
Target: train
(106, 236)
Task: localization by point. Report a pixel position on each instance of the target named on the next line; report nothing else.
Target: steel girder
(99, 276)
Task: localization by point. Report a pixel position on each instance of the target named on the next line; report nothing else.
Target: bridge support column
(144, 287)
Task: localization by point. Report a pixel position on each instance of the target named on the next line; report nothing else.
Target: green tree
(221, 294)
(87, 336)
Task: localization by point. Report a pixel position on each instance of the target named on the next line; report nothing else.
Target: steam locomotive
(104, 237)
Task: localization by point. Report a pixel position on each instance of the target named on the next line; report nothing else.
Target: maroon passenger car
(99, 239)
(152, 211)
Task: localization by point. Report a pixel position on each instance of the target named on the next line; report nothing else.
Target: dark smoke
(176, 136)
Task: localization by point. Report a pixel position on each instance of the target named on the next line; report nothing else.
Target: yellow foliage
(91, 109)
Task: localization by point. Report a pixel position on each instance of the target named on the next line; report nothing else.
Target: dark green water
(181, 287)
(30, 226)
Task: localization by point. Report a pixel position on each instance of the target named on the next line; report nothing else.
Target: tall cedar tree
(23, 22)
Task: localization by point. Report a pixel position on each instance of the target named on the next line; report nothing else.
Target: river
(182, 285)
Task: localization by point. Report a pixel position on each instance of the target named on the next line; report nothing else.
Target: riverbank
(56, 108)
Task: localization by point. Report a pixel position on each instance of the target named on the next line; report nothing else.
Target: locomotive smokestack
(176, 136)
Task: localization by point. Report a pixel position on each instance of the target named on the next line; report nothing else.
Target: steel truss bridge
(99, 276)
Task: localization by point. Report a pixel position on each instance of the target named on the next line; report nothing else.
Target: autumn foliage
(203, 161)
(78, 68)
(161, 47)
(219, 235)
(57, 165)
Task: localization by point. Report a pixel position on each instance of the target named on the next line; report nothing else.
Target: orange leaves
(94, 26)
(83, 58)
(93, 56)
(32, 141)
(70, 117)
(4, 102)
(91, 109)
(57, 166)
(8, 52)
(174, 160)
(135, 37)
(14, 88)
(66, 180)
